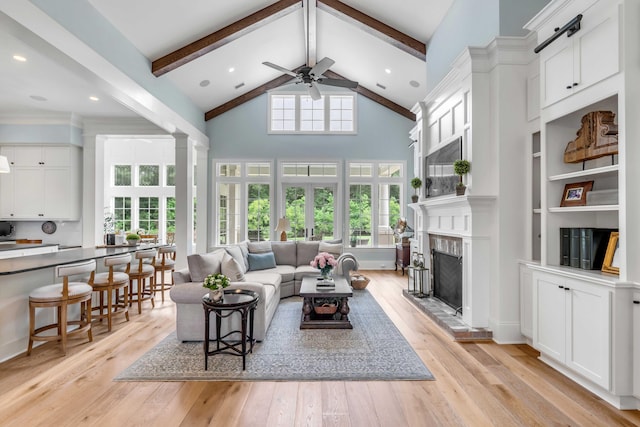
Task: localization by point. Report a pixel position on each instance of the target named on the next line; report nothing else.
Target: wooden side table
(235, 301)
(403, 254)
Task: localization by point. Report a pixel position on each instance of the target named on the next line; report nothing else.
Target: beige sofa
(272, 269)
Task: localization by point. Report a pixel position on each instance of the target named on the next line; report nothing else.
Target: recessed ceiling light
(231, 70)
(204, 83)
(38, 97)
(94, 98)
(19, 58)
(388, 71)
(414, 83)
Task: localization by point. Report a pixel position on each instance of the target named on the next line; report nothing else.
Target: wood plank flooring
(477, 384)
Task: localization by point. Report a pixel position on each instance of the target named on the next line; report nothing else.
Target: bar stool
(165, 263)
(140, 271)
(108, 282)
(61, 295)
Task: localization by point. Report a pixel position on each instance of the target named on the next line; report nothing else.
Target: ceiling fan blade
(322, 66)
(281, 69)
(314, 92)
(338, 82)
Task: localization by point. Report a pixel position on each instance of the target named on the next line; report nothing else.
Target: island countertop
(36, 262)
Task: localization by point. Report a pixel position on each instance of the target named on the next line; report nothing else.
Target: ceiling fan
(310, 76)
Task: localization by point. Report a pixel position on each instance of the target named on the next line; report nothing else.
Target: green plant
(461, 167)
(416, 183)
(216, 281)
(132, 236)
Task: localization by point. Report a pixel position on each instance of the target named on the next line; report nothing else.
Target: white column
(184, 199)
(202, 197)
(92, 190)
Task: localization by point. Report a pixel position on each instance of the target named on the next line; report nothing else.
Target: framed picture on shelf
(575, 194)
(611, 263)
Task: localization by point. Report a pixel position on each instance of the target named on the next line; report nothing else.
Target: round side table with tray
(240, 301)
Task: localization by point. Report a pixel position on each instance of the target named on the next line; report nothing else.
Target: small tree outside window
(149, 175)
(122, 213)
(149, 214)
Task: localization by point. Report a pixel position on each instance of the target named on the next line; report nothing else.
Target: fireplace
(447, 278)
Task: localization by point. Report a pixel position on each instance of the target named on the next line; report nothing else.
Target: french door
(311, 210)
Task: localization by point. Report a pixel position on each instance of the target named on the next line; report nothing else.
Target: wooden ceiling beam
(376, 98)
(224, 36)
(279, 81)
(372, 26)
(285, 78)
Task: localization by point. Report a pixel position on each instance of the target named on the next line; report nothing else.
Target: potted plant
(461, 167)
(132, 239)
(216, 284)
(416, 183)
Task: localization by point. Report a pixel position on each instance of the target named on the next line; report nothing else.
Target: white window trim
(326, 114)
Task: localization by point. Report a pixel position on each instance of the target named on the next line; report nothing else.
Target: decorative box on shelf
(602, 197)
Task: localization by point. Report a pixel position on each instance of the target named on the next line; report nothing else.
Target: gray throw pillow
(259, 247)
(231, 268)
(307, 251)
(244, 248)
(285, 252)
(236, 253)
(261, 261)
(201, 265)
(334, 249)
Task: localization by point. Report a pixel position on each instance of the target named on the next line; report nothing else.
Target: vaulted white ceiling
(159, 27)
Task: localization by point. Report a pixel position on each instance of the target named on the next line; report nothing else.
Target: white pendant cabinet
(44, 183)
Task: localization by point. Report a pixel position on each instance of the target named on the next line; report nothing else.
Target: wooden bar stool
(164, 262)
(139, 272)
(61, 295)
(108, 283)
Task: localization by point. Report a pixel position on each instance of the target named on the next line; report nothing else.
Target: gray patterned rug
(373, 350)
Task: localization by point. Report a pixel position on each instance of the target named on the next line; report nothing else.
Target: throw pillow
(236, 253)
(244, 248)
(261, 261)
(259, 247)
(285, 252)
(231, 269)
(334, 249)
(201, 265)
(334, 241)
(307, 251)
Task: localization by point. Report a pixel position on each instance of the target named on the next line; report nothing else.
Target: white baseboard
(506, 332)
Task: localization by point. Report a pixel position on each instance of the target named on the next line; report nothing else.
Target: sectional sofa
(272, 269)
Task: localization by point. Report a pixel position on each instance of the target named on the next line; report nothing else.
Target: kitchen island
(19, 276)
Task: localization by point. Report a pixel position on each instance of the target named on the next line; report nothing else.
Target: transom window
(298, 113)
(309, 169)
(148, 175)
(122, 175)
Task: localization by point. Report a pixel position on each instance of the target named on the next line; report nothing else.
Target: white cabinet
(571, 64)
(636, 344)
(526, 301)
(44, 183)
(572, 324)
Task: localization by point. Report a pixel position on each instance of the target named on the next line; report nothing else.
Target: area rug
(373, 350)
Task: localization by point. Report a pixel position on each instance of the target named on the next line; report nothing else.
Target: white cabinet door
(54, 157)
(557, 71)
(29, 191)
(27, 156)
(588, 348)
(6, 195)
(57, 187)
(636, 344)
(549, 316)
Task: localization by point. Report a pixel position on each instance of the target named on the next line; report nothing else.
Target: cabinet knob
(575, 84)
(636, 302)
(567, 289)
(569, 87)
(560, 286)
(40, 214)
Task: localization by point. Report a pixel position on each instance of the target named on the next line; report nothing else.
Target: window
(170, 215)
(229, 214)
(309, 169)
(259, 212)
(122, 213)
(170, 176)
(148, 175)
(332, 113)
(372, 224)
(122, 175)
(148, 214)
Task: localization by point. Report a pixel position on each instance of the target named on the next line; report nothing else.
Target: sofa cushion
(201, 265)
(259, 247)
(261, 261)
(333, 241)
(304, 271)
(232, 269)
(285, 253)
(236, 253)
(244, 248)
(306, 252)
(269, 278)
(286, 271)
(334, 249)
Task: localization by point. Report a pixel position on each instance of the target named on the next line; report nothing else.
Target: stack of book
(584, 247)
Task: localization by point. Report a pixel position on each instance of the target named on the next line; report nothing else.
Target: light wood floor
(476, 384)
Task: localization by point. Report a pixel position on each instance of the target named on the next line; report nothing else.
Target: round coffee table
(235, 301)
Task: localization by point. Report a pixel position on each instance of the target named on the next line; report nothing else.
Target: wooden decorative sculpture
(597, 137)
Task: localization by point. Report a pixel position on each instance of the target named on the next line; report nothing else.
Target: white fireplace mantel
(462, 216)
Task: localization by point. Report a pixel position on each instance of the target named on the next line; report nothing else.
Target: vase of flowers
(216, 284)
(324, 262)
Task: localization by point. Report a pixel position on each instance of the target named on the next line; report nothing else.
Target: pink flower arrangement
(325, 262)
